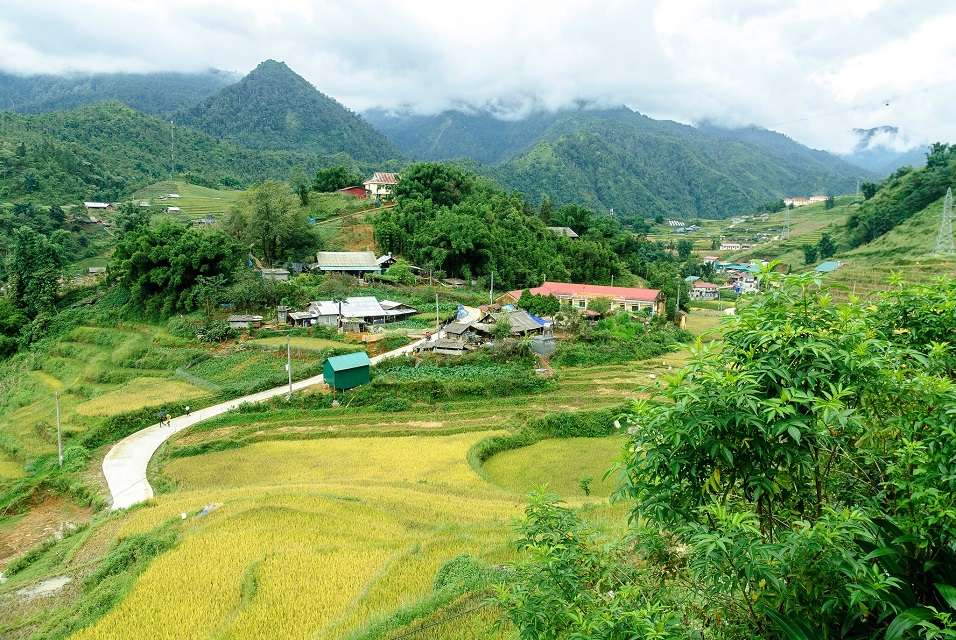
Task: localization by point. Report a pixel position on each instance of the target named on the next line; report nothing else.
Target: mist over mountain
(884, 149)
(161, 93)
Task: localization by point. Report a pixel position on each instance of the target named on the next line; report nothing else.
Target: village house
(381, 185)
(520, 322)
(384, 262)
(246, 322)
(354, 313)
(742, 281)
(802, 201)
(356, 191)
(633, 299)
(567, 232)
(730, 246)
(274, 274)
(701, 290)
(356, 263)
(97, 206)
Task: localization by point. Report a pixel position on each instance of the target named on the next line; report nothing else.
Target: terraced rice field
(558, 465)
(196, 201)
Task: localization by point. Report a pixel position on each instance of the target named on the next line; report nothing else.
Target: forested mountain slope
(106, 151)
(275, 108)
(621, 159)
(161, 93)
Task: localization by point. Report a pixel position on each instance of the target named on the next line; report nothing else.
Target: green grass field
(196, 201)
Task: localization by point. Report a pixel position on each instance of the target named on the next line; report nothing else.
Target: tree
(830, 202)
(869, 189)
(715, 243)
(539, 305)
(131, 216)
(659, 219)
(684, 248)
(300, 185)
(573, 216)
(401, 272)
(826, 246)
(501, 329)
(34, 268)
(546, 210)
(167, 267)
(600, 305)
(268, 220)
(334, 178)
(443, 184)
(809, 253)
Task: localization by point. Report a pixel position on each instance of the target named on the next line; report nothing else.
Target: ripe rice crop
(139, 393)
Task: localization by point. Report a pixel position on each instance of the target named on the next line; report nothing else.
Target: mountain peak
(273, 107)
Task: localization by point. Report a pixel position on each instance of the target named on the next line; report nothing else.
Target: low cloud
(814, 69)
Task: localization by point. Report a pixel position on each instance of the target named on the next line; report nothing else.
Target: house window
(582, 303)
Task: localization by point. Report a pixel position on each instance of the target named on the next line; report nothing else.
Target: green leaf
(794, 433)
(906, 621)
(948, 592)
(789, 629)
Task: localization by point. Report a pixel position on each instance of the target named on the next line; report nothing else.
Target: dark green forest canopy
(453, 221)
(275, 108)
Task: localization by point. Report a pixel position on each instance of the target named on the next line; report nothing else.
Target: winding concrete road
(125, 464)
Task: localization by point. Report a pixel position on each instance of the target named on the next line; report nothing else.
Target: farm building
(350, 370)
(802, 201)
(701, 290)
(395, 311)
(521, 322)
(578, 295)
(828, 267)
(96, 271)
(730, 246)
(380, 185)
(91, 206)
(274, 274)
(244, 321)
(356, 263)
(386, 261)
(567, 232)
(358, 192)
(446, 346)
(353, 313)
(457, 283)
(173, 210)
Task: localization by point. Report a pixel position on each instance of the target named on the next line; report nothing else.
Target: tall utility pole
(436, 313)
(288, 359)
(59, 433)
(491, 292)
(944, 237)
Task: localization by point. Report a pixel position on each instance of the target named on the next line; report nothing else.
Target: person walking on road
(169, 420)
(187, 409)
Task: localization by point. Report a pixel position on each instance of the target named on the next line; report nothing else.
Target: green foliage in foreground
(798, 482)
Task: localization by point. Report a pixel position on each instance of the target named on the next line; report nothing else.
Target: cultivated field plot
(195, 201)
(559, 465)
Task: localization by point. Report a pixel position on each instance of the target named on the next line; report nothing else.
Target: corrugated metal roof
(381, 177)
(301, 315)
(357, 307)
(349, 361)
(457, 328)
(568, 232)
(244, 318)
(347, 260)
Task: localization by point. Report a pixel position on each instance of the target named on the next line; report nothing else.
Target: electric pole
(491, 293)
(288, 359)
(436, 313)
(59, 434)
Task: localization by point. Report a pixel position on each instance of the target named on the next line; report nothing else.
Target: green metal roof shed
(350, 370)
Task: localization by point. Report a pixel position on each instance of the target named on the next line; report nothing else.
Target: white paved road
(125, 464)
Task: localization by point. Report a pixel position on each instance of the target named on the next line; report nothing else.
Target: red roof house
(578, 295)
(358, 192)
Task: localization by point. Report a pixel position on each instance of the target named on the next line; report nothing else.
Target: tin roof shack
(395, 311)
(274, 274)
(244, 322)
(521, 322)
(348, 371)
(356, 263)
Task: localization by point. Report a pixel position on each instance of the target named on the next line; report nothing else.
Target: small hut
(347, 371)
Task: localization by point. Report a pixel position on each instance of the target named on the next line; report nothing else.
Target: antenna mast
(944, 238)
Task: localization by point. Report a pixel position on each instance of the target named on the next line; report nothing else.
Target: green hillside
(275, 108)
(106, 151)
(161, 93)
(621, 159)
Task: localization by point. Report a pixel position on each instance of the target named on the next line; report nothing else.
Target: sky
(814, 70)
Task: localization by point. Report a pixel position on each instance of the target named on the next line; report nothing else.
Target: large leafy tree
(336, 177)
(797, 482)
(270, 223)
(165, 266)
(34, 267)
